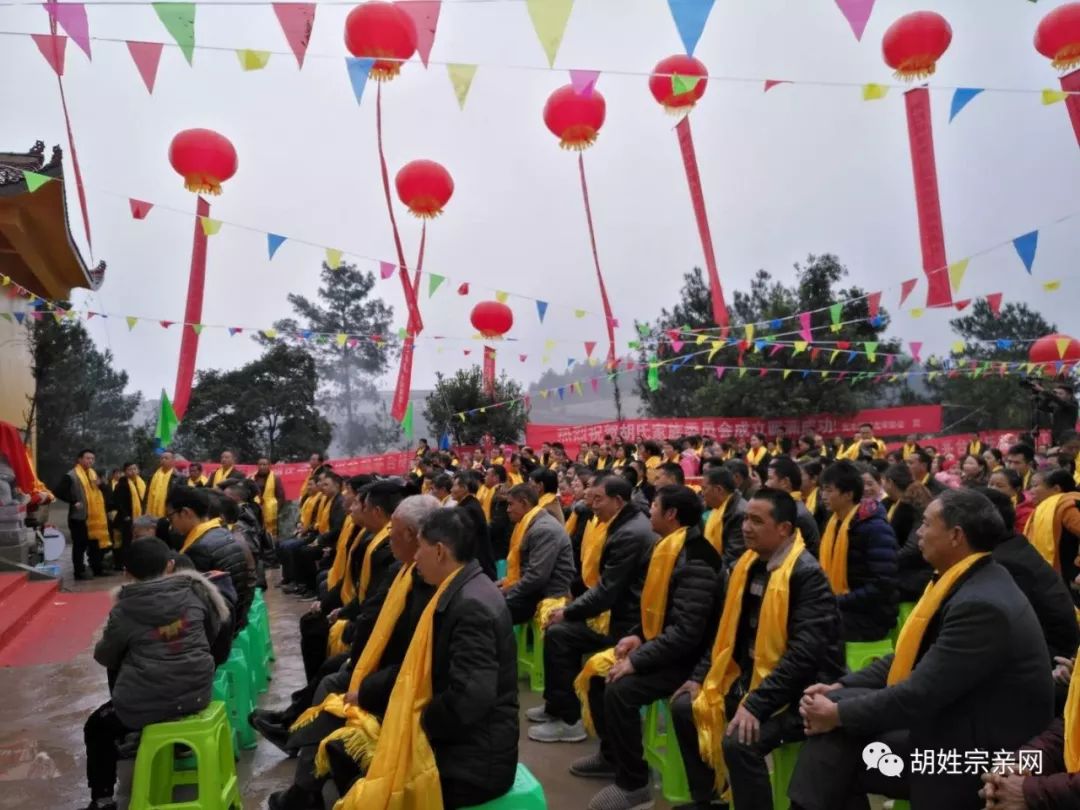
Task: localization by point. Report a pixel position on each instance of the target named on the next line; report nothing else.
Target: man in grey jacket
(157, 641)
(546, 557)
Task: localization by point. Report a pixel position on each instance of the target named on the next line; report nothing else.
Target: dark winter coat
(869, 608)
(734, 544)
(472, 720)
(547, 564)
(913, 571)
(218, 550)
(124, 496)
(474, 516)
(158, 638)
(807, 525)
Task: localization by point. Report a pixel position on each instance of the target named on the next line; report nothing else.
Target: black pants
(102, 732)
(314, 637)
(565, 644)
(83, 547)
(522, 609)
(304, 698)
(616, 712)
(287, 556)
(305, 562)
(748, 773)
(831, 775)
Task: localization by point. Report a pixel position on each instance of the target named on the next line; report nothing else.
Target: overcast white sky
(797, 170)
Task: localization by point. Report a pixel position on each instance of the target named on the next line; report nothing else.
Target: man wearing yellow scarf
(129, 495)
(969, 673)
(859, 554)
(271, 494)
(569, 636)
(160, 483)
(864, 442)
(449, 735)
(87, 518)
(1054, 526)
(911, 446)
(811, 492)
(195, 475)
(545, 483)
(678, 606)
(227, 469)
(723, 524)
(1021, 460)
(540, 565)
(303, 561)
(784, 474)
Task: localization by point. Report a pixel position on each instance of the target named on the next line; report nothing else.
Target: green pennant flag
(654, 377)
(196, 328)
(166, 421)
(34, 181)
(643, 329)
(402, 333)
(683, 84)
(407, 423)
(179, 21)
(834, 315)
(433, 283)
(871, 350)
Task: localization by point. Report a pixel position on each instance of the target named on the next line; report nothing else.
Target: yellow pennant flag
(593, 361)
(714, 347)
(787, 372)
(1053, 96)
(833, 356)
(917, 312)
(549, 18)
(800, 347)
(549, 344)
(270, 334)
(210, 226)
(956, 273)
(749, 332)
(700, 339)
(341, 338)
(461, 77)
(958, 347)
(131, 321)
(579, 313)
(873, 92)
(1050, 286)
(253, 60)
(1062, 344)
(742, 371)
(333, 258)
(501, 296)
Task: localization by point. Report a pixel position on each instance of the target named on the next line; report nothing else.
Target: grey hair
(414, 510)
(145, 522)
(976, 516)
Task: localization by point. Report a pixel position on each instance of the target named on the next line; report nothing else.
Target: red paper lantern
(204, 158)
(383, 32)
(662, 83)
(913, 44)
(575, 119)
(1058, 36)
(425, 187)
(1048, 351)
(492, 319)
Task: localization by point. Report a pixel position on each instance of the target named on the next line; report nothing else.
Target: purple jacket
(1056, 789)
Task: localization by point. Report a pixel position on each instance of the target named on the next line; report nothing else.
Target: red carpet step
(41, 625)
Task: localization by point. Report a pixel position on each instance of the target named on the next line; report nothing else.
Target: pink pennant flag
(873, 302)
(52, 47)
(425, 16)
(523, 357)
(467, 352)
(296, 21)
(147, 56)
(589, 346)
(595, 384)
(463, 289)
(916, 348)
(584, 81)
(771, 83)
(815, 353)
(993, 300)
(676, 345)
(889, 358)
(139, 208)
(386, 269)
(72, 18)
(804, 326)
(857, 13)
(720, 372)
(165, 324)
(763, 372)
(776, 350)
(962, 305)
(906, 288)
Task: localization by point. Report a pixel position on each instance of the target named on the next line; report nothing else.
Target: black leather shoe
(274, 733)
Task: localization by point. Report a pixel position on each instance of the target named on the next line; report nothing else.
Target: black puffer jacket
(472, 720)
(869, 608)
(913, 571)
(623, 565)
(218, 550)
(690, 613)
(734, 544)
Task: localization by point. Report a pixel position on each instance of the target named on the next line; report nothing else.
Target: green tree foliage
(990, 401)
(265, 408)
(345, 305)
(80, 399)
(465, 392)
(686, 392)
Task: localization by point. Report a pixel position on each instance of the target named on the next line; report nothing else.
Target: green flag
(406, 423)
(179, 21)
(34, 181)
(166, 422)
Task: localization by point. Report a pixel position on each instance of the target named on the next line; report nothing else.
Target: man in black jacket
(307, 558)
(464, 490)
(651, 663)
(727, 507)
(785, 474)
(764, 717)
(129, 501)
(979, 681)
(919, 463)
(569, 635)
(499, 523)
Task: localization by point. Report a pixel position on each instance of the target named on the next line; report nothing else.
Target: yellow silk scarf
(811, 500)
(911, 634)
(196, 534)
(140, 494)
(159, 492)
(714, 526)
(220, 474)
(592, 550)
(97, 521)
(197, 482)
(1040, 529)
(513, 558)
(545, 499)
(307, 510)
(403, 773)
(710, 715)
(1072, 723)
(754, 457)
(514, 478)
(892, 511)
(322, 519)
(269, 504)
(341, 555)
(348, 583)
(834, 551)
(485, 496)
(571, 523)
(365, 569)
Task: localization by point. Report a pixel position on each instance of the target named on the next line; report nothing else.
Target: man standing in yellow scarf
(779, 632)
(160, 483)
(569, 636)
(969, 674)
(678, 607)
(723, 524)
(270, 495)
(227, 469)
(540, 566)
(129, 495)
(1021, 460)
(1054, 526)
(87, 520)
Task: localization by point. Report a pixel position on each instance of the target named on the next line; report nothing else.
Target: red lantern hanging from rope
(383, 32)
(204, 158)
(425, 187)
(913, 44)
(675, 73)
(1049, 350)
(1058, 36)
(492, 319)
(575, 119)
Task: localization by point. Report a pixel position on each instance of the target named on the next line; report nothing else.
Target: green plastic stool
(156, 777)
(255, 653)
(526, 794)
(530, 656)
(901, 804)
(500, 569)
(663, 754)
(259, 605)
(783, 766)
(901, 617)
(861, 654)
(223, 691)
(244, 701)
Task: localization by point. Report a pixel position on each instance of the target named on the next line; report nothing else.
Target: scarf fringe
(360, 742)
(598, 666)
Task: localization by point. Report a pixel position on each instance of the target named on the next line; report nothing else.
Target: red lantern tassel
(1070, 82)
(189, 340)
(608, 316)
(693, 180)
(927, 198)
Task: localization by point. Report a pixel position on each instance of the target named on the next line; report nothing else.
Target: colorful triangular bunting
(433, 283)
(961, 97)
(139, 208)
(296, 21)
(690, 17)
(541, 309)
(34, 180)
(210, 226)
(549, 19)
(857, 14)
(273, 242)
(1026, 247)
(252, 60)
(72, 18)
(956, 273)
(147, 57)
(52, 47)
(179, 21)
(359, 68)
(425, 16)
(461, 77)
(584, 81)
(874, 92)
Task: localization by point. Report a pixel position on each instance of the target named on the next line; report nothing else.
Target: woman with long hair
(973, 471)
(906, 500)
(1009, 482)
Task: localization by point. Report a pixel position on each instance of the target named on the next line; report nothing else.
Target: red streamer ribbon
(189, 341)
(608, 317)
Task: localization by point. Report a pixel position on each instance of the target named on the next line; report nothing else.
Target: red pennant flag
(906, 288)
(994, 302)
(139, 208)
(873, 301)
(166, 324)
(916, 348)
(296, 21)
(843, 345)
(425, 16)
(595, 384)
(468, 352)
(764, 371)
(523, 357)
(814, 354)
(147, 56)
(463, 289)
(962, 305)
(52, 47)
(90, 315)
(771, 83)
(589, 346)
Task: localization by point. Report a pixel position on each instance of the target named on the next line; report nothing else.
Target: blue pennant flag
(570, 363)
(851, 356)
(1004, 343)
(759, 345)
(561, 392)
(877, 321)
(359, 68)
(776, 323)
(690, 17)
(806, 374)
(273, 242)
(960, 99)
(444, 442)
(307, 334)
(541, 309)
(1026, 246)
(19, 316)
